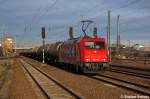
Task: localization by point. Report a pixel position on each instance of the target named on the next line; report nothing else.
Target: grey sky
(23, 19)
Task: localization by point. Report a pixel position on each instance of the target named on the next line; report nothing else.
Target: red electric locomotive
(88, 54)
(84, 53)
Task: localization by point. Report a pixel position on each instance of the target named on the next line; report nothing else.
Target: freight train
(85, 54)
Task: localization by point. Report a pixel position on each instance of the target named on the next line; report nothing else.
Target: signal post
(43, 37)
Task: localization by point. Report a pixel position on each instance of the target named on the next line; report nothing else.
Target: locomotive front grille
(92, 66)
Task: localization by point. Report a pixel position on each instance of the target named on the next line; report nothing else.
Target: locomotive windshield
(94, 45)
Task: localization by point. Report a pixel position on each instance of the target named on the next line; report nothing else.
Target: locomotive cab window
(94, 45)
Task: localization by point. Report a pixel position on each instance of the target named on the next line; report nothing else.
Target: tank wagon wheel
(77, 69)
(70, 67)
(56, 61)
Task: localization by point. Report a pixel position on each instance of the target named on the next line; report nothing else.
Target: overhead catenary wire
(136, 19)
(113, 10)
(130, 3)
(121, 7)
(47, 10)
(36, 18)
(133, 21)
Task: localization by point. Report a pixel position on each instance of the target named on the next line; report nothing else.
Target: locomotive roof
(77, 40)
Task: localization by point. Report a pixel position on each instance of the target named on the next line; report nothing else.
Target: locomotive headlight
(87, 59)
(104, 59)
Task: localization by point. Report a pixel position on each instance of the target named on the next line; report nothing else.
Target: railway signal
(71, 32)
(95, 32)
(43, 32)
(43, 37)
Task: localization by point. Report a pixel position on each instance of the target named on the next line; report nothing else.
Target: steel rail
(37, 83)
(123, 84)
(130, 71)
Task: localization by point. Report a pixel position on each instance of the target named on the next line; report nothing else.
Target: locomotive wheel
(106, 67)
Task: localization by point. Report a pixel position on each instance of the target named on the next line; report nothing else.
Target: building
(8, 44)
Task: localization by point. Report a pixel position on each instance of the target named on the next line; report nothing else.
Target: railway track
(131, 71)
(136, 72)
(143, 89)
(125, 84)
(50, 87)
